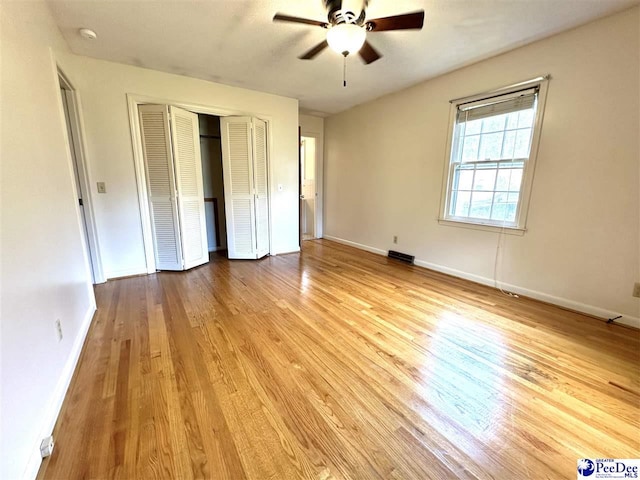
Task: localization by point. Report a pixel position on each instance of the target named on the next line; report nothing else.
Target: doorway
(308, 191)
(71, 111)
(213, 181)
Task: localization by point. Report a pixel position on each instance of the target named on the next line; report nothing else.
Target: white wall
(103, 88)
(384, 163)
(311, 126)
(44, 273)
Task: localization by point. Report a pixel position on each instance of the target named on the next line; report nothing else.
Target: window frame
(522, 210)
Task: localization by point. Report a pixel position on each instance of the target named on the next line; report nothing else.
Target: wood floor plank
(337, 363)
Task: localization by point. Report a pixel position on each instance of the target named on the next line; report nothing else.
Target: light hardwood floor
(338, 363)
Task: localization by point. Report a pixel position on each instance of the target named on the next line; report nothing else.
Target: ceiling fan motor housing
(346, 11)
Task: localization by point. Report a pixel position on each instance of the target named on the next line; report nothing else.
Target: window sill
(487, 228)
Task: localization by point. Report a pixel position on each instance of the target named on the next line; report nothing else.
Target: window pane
(485, 179)
(525, 119)
(491, 146)
(499, 205)
(511, 212)
(508, 145)
(512, 206)
(523, 140)
(504, 212)
(502, 183)
(513, 197)
(470, 148)
(512, 120)
(494, 124)
(516, 180)
(509, 179)
(460, 204)
(463, 179)
(499, 211)
(481, 204)
(500, 197)
(473, 127)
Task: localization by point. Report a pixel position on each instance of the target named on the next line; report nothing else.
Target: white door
(261, 187)
(161, 186)
(171, 148)
(244, 167)
(190, 188)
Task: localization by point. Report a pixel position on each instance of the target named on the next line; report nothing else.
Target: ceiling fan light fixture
(346, 38)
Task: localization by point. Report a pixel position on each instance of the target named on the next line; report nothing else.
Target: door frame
(133, 100)
(319, 171)
(78, 143)
(299, 187)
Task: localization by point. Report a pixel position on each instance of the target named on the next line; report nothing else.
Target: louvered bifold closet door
(237, 170)
(189, 184)
(161, 188)
(261, 187)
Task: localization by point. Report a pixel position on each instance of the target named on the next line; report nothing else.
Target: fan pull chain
(344, 72)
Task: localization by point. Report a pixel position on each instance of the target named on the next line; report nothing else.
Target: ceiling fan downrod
(344, 70)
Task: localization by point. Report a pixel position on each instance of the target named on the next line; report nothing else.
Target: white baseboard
(377, 251)
(544, 297)
(55, 403)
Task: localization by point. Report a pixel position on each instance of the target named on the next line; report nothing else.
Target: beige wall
(384, 163)
(104, 86)
(44, 274)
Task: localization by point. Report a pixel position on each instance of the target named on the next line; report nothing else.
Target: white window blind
(500, 130)
(489, 107)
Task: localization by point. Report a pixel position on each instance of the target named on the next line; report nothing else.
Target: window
(491, 157)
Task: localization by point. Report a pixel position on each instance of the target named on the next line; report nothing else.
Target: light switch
(280, 187)
(102, 188)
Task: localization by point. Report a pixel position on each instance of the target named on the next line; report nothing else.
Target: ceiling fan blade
(286, 18)
(314, 51)
(368, 53)
(408, 21)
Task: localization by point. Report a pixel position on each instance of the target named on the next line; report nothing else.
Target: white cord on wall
(495, 266)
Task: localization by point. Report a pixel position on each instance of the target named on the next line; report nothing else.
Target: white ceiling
(235, 42)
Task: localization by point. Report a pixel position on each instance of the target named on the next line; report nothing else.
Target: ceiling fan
(347, 28)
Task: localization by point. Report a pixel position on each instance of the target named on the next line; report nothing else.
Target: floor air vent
(403, 257)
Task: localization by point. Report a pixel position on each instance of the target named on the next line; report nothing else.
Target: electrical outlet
(636, 289)
(59, 329)
(46, 446)
(102, 188)
(395, 239)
